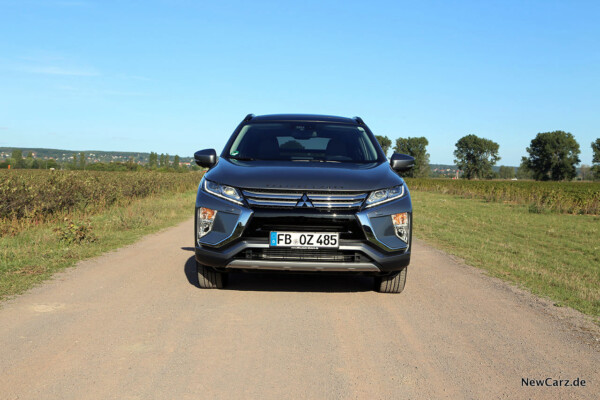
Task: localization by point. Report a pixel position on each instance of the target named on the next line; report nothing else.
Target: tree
(553, 156)
(506, 172)
(51, 163)
(523, 172)
(161, 162)
(153, 160)
(29, 160)
(416, 147)
(17, 156)
(167, 160)
(292, 145)
(82, 160)
(130, 164)
(384, 142)
(585, 173)
(74, 163)
(596, 158)
(176, 162)
(476, 156)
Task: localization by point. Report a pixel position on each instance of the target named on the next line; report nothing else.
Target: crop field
(51, 220)
(31, 197)
(541, 197)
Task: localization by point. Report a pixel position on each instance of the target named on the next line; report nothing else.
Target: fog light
(206, 217)
(401, 225)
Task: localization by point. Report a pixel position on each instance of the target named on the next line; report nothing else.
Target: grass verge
(553, 255)
(33, 255)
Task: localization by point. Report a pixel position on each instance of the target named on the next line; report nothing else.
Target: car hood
(303, 175)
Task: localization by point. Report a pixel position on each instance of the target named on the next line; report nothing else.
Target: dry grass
(33, 255)
(553, 255)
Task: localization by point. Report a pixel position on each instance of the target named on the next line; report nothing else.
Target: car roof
(303, 117)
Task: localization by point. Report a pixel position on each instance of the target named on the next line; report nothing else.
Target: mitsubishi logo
(304, 201)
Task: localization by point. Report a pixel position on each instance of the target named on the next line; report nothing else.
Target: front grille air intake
(321, 255)
(302, 199)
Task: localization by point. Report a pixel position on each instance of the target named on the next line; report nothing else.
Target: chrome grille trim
(277, 196)
(319, 199)
(334, 197)
(339, 204)
(271, 203)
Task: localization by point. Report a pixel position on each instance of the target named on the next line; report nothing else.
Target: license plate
(304, 239)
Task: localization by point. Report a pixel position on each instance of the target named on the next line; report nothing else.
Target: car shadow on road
(287, 282)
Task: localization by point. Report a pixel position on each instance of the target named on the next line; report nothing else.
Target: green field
(552, 255)
(541, 197)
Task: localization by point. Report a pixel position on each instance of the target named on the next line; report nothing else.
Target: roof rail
(249, 117)
(359, 120)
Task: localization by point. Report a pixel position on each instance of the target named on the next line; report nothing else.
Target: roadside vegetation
(51, 220)
(53, 159)
(552, 255)
(539, 197)
(31, 197)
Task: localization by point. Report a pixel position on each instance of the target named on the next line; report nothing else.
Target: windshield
(297, 141)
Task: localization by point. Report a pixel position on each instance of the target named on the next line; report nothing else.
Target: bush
(35, 196)
(560, 197)
(76, 233)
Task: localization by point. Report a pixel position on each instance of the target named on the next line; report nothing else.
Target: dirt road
(133, 325)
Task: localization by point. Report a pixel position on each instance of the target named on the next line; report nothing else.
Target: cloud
(49, 63)
(62, 71)
(134, 77)
(73, 3)
(47, 3)
(123, 93)
(74, 90)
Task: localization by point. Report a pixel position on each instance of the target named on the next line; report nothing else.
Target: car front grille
(266, 220)
(304, 199)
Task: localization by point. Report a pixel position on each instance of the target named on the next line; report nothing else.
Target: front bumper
(228, 258)
(378, 250)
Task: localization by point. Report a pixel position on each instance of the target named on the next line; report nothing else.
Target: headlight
(385, 195)
(401, 225)
(206, 218)
(223, 191)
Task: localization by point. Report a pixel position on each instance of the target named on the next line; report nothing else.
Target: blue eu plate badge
(273, 238)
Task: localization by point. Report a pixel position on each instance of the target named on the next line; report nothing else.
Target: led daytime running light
(223, 191)
(384, 195)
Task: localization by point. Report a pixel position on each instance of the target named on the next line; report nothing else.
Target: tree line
(162, 162)
(551, 156)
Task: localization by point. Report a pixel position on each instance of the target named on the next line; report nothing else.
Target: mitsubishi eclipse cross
(306, 193)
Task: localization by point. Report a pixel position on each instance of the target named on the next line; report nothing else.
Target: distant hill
(442, 167)
(94, 156)
(91, 156)
(453, 167)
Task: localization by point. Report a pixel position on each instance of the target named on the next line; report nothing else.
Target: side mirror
(402, 162)
(206, 158)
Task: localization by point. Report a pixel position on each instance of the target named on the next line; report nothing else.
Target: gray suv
(303, 193)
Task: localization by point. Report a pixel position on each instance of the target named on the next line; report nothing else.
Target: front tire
(209, 278)
(393, 283)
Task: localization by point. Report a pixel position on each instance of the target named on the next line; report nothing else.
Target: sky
(178, 76)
